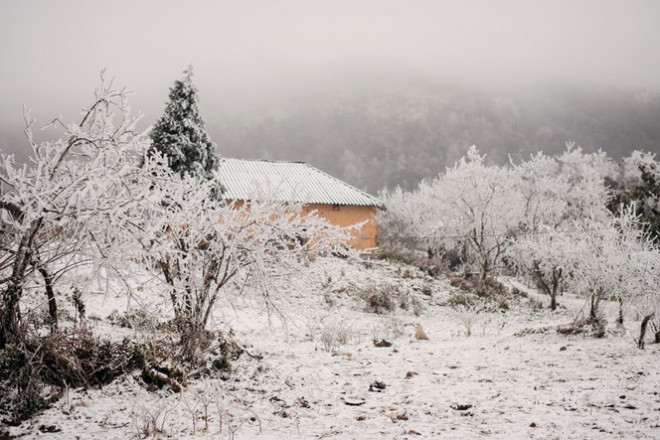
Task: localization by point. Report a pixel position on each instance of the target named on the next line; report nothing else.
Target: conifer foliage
(179, 134)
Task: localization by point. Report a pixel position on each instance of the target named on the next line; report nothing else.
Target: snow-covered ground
(314, 374)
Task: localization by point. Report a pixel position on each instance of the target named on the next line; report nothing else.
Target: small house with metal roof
(298, 182)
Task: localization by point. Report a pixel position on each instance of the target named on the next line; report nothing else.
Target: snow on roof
(287, 181)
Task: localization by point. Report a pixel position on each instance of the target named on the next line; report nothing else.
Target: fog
(256, 58)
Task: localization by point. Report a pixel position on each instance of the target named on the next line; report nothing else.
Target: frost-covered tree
(619, 260)
(70, 205)
(563, 198)
(585, 176)
(640, 186)
(543, 248)
(179, 134)
(548, 256)
(482, 208)
(195, 247)
(567, 187)
(411, 218)
(471, 206)
(95, 204)
(564, 188)
(542, 192)
(599, 260)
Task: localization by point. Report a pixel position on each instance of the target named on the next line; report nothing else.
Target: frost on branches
(547, 217)
(620, 261)
(179, 134)
(196, 245)
(471, 207)
(548, 256)
(94, 203)
(482, 209)
(410, 219)
(69, 205)
(563, 198)
(585, 176)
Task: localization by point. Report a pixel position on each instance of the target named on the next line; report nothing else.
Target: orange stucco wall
(345, 215)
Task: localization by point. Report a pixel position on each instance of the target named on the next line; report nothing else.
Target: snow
(296, 384)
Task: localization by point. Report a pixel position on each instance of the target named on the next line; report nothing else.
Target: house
(297, 182)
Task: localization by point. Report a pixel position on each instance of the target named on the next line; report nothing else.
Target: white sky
(52, 51)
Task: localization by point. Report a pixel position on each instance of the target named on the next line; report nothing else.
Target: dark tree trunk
(642, 332)
(596, 297)
(556, 278)
(484, 273)
(52, 302)
(10, 314)
(620, 319)
(593, 309)
(553, 302)
(551, 289)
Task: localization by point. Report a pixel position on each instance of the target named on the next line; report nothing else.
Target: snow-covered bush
(334, 333)
(383, 299)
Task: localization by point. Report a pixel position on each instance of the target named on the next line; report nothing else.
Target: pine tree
(179, 134)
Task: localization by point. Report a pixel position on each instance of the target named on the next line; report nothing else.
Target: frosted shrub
(334, 333)
(467, 317)
(387, 298)
(380, 300)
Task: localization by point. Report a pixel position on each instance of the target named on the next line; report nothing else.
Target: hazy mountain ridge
(398, 130)
(397, 134)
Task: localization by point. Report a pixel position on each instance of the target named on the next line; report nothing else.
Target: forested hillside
(397, 132)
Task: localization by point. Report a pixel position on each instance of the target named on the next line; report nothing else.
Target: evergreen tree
(642, 190)
(179, 134)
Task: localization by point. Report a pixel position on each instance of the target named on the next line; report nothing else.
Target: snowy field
(318, 374)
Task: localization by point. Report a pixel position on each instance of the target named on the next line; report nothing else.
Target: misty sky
(52, 51)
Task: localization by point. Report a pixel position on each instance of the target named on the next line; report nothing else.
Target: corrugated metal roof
(287, 181)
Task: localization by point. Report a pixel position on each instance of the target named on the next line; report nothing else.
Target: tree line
(573, 221)
(399, 132)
